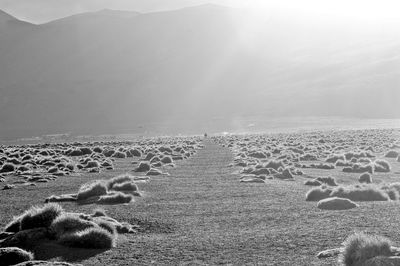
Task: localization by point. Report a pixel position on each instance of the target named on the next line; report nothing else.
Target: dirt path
(201, 214)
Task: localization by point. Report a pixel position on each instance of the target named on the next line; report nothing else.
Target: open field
(201, 213)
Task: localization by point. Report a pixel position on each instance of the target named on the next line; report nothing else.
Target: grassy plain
(202, 215)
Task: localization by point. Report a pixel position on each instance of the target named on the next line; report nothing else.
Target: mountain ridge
(108, 72)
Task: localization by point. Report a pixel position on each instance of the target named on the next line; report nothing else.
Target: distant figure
(205, 135)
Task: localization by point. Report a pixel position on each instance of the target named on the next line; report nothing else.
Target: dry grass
(335, 203)
(68, 223)
(115, 198)
(382, 166)
(36, 217)
(201, 214)
(360, 247)
(126, 186)
(361, 193)
(13, 256)
(312, 183)
(319, 193)
(330, 181)
(95, 238)
(97, 188)
(365, 178)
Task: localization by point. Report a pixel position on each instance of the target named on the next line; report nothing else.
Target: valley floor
(202, 215)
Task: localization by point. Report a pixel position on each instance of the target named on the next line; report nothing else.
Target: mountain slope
(112, 71)
(10, 26)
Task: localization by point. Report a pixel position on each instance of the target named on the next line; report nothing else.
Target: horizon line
(118, 10)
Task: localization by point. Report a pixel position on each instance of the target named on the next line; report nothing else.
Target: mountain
(11, 25)
(113, 71)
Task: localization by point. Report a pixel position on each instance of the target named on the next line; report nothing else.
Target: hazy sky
(44, 10)
(39, 11)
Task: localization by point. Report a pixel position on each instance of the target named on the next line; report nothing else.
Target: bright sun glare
(367, 15)
(356, 9)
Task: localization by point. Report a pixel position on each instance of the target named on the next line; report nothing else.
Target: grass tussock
(14, 226)
(343, 163)
(392, 154)
(99, 212)
(122, 183)
(108, 226)
(14, 255)
(92, 238)
(68, 223)
(115, 198)
(275, 164)
(318, 193)
(365, 178)
(330, 181)
(167, 159)
(7, 168)
(324, 166)
(97, 188)
(396, 186)
(36, 217)
(335, 158)
(336, 203)
(361, 193)
(312, 183)
(143, 167)
(393, 190)
(126, 186)
(382, 166)
(360, 247)
(359, 168)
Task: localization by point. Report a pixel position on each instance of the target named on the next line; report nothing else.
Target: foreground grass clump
(78, 230)
(108, 226)
(360, 247)
(13, 226)
(13, 255)
(92, 190)
(68, 222)
(96, 238)
(36, 217)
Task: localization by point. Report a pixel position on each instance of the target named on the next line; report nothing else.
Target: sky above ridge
(40, 11)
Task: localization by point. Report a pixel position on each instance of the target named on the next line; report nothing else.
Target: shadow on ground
(50, 251)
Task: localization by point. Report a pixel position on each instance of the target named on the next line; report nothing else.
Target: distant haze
(40, 11)
(114, 71)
